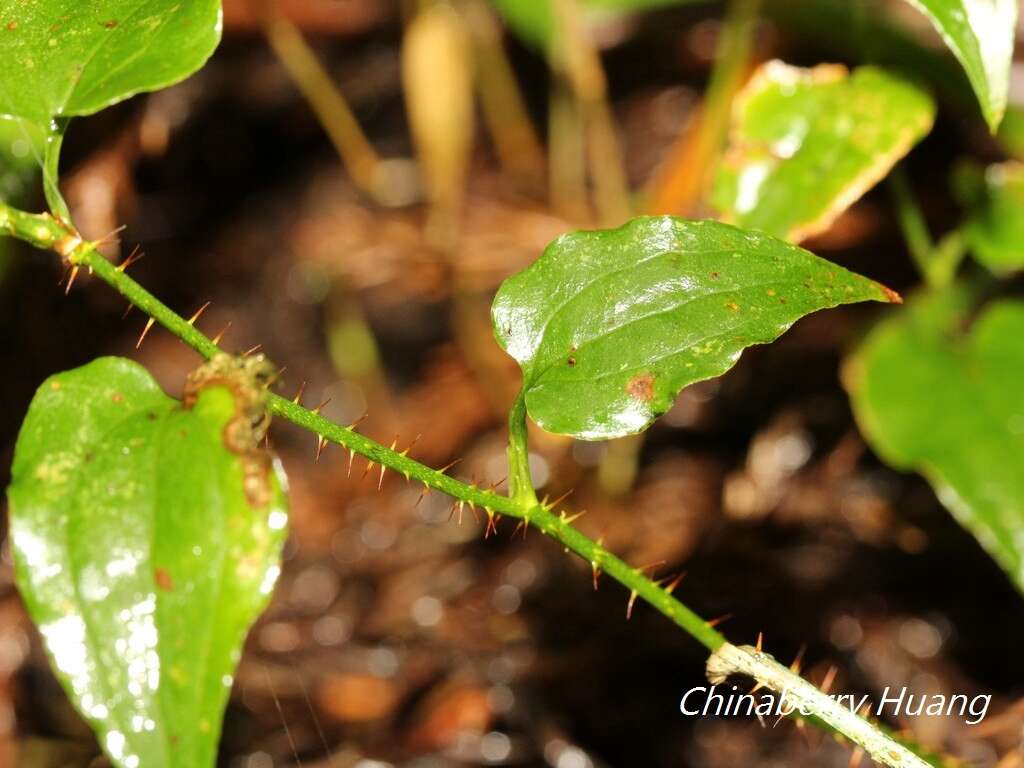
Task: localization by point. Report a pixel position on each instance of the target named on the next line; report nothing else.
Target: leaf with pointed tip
(807, 143)
(609, 326)
(144, 547)
(980, 33)
(932, 398)
(75, 57)
(994, 229)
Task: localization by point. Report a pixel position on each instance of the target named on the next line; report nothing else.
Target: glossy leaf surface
(807, 143)
(995, 225)
(609, 326)
(75, 57)
(144, 548)
(980, 33)
(946, 402)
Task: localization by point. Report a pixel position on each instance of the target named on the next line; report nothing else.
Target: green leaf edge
(883, 294)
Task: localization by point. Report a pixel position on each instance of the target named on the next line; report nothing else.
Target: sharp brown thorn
(760, 641)
(351, 458)
(394, 442)
(325, 402)
(380, 480)
(560, 499)
(629, 605)
(110, 237)
(134, 256)
(416, 440)
(250, 350)
(798, 661)
(274, 379)
(321, 442)
(778, 720)
(423, 493)
(572, 518)
(492, 526)
(675, 583)
(357, 422)
(142, 337)
(198, 313)
(71, 279)
(298, 395)
(655, 565)
(217, 339)
(448, 466)
(596, 570)
(128, 310)
(757, 687)
(369, 466)
(520, 524)
(830, 677)
(716, 621)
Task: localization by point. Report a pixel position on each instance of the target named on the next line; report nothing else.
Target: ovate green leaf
(995, 224)
(932, 397)
(980, 33)
(807, 143)
(75, 57)
(146, 537)
(609, 326)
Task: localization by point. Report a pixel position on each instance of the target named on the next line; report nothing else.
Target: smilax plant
(147, 532)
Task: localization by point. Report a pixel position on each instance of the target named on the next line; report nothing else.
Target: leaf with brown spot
(805, 144)
(648, 309)
(140, 556)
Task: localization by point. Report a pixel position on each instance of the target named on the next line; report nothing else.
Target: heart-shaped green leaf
(75, 57)
(609, 326)
(146, 537)
(980, 33)
(995, 225)
(807, 143)
(947, 403)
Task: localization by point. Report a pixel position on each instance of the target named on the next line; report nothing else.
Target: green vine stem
(49, 233)
(937, 263)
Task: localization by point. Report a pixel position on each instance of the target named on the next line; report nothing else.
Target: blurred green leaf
(146, 537)
(806, 143)
(534, 20)
(1011, 131)
(68, 57)
(994, 229)
(981, 34)
(609, 326)
(947, 403)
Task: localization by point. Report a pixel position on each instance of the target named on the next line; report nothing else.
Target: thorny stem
(46, 232)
